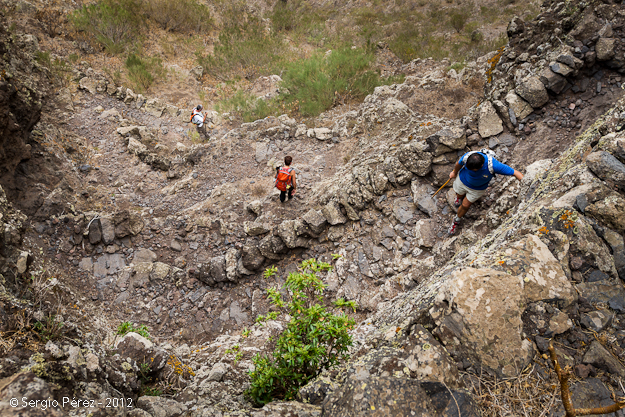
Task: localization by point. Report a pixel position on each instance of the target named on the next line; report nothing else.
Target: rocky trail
(133, 217)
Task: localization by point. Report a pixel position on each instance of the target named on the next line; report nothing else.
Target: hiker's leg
(462, 210)
(290, 193)
(282, 196)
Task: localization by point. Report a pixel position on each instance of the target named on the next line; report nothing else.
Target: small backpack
(193, 114)
(284, 179)
(490, 155)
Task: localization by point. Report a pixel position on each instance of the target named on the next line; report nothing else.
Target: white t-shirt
(198, 118)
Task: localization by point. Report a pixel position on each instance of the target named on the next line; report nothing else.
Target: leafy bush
(187, 16)
(244, 47)
(315, 83)
(127, 327)
(113, 23)
(458, 19)
(49, 328)
(141, 71)
(314, 339)
(248, 107)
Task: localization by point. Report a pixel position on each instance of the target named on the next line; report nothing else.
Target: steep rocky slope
(137, 222)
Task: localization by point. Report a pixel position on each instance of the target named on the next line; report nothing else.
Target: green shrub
(187, 16)
(245, 105)
(315, 83)
(113, 23)
(59, 69)
(457, 19)
(244, 47)
(49, 328)
(314, 339)
(141, 71)
(127, 327)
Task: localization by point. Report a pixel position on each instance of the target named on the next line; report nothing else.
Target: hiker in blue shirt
(476, 170)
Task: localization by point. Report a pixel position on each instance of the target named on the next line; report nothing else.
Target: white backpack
(490, 155)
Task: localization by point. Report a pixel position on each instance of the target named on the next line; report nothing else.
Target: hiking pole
(441, 188)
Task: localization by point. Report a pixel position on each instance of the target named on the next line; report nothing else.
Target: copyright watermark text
(65, 402)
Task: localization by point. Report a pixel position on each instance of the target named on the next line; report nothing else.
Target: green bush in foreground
(314, 339)
(127, 327)
(113, 23)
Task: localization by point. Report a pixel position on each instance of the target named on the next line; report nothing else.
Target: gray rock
(262, 149)
(272, 247)
(403, 210)
(415, 158)
(23, 261)
(251, 257)
(382, 396)
(332, 213)
(454, 137)
(607, 167)
(435, 146)
(255, 228)
(605, 48)
(599, 357)
(554, 82)
(532, 90)
(425, 233)
(161, 407)
(597, 320)
(489, 123)
(95, 233)
(25, 386)
(255, 207)
(323, 133)
(144, 255)
(396, 172)
(154, 107)
(175, 245)
(600, 292)
(108, 230)
(238, 315)
(286, 231)
(562, 69)
(197, 72)
(379, 180)
(504, 113)
(218, 269)
(108, 264)
(232, 258)
(422, 199)
(315, 220)
(217, 372)
(521, 108)
(570, 60)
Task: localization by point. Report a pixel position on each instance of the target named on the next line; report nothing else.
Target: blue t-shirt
(478, 180)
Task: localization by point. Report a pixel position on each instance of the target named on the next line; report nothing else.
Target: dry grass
(528, 395)
(258, 190)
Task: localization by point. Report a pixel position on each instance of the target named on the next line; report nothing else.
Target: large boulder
(315, 220)
(381, 396)
(489, 123)
(396, 172)
(332, 213)
(425, 233)
(607, 167)
(532, 90)
(478, 311)
(415, 158)
(272, 247)
(520, 107)
(453, 137)
(251, 257)
(553, 81)
(288, 234)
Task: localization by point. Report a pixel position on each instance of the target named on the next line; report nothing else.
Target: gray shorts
(461, 189)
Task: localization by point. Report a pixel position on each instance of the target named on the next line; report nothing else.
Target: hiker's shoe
(457, 202)
(454, 227)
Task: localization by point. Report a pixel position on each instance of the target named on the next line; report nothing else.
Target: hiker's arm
(454, 173)
(518, 175)
(294, 182)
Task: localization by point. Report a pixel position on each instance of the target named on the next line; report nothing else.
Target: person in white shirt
(198, 118)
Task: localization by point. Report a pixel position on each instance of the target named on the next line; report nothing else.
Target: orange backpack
(284, 179)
